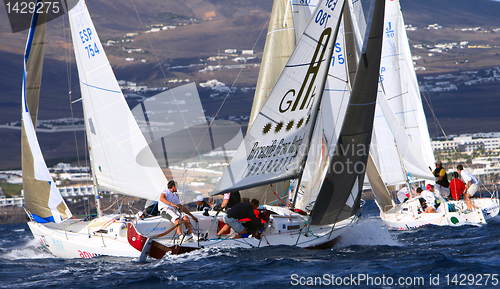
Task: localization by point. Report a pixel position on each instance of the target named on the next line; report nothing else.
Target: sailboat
(120, 162)
(401, 152)
(278, 141)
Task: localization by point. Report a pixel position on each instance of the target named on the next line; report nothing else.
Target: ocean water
(368, 256)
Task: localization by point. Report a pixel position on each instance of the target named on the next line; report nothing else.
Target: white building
(11, 202)
(467, 143)
(82, 190)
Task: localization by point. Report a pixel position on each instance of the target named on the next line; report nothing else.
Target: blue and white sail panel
(121, 159)
(276, 144)
(41, 195)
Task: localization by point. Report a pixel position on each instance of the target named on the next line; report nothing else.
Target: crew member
(170, 204)
(238, 212)
(442, 184)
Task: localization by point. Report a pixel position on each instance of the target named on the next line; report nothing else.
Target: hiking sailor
(238, 212)
(471, 186)
(170, 204)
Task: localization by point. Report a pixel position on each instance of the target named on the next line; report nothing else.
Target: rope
(289, 188)
(114, 203)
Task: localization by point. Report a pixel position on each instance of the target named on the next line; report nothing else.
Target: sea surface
(368, 256)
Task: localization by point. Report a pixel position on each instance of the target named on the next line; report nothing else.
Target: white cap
(199, 198)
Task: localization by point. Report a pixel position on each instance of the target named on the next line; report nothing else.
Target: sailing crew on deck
(201, 205)
(442, 185)
(238, 212)
(457, 187)
(403, 195)
(230, 200)
(171, 205)
(430, 198)
(471, 186)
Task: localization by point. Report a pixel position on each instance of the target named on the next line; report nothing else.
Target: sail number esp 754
(323, 16)
(90, 46)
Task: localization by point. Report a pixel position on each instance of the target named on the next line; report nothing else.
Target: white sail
(42, 198)
(400, 155)
(302, 13)
(274, 147)
(115, 139)
(332, 112)
(319, 158)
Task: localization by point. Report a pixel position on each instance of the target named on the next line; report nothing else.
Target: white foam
(32, 249)
(368, 232)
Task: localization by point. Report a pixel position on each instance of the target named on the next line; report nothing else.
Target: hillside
(206, 28)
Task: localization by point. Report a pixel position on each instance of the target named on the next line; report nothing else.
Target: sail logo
(272, 158)
(389, 31)
(291, 100)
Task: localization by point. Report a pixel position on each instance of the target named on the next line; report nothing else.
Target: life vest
(262, 216)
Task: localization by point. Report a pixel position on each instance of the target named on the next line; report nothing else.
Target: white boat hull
(284, 228)
(81, 239)
(409, 215)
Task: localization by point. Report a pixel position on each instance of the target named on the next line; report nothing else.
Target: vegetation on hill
(11, 190)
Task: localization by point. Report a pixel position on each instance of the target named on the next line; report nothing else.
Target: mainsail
(274, 148)
(339, 196)
(42, 198)
(402, 150)
(117, 147)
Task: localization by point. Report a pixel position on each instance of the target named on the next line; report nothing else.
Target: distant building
(11, 202)
(74, 191)
(434, 26)
(467, 144)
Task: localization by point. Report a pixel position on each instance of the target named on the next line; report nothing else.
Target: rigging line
(165, 77)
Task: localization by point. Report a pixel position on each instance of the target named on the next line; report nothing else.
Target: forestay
(274, 147)
(42, 198)
(115, 139)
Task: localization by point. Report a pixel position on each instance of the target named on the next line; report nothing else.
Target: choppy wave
(366, 248)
